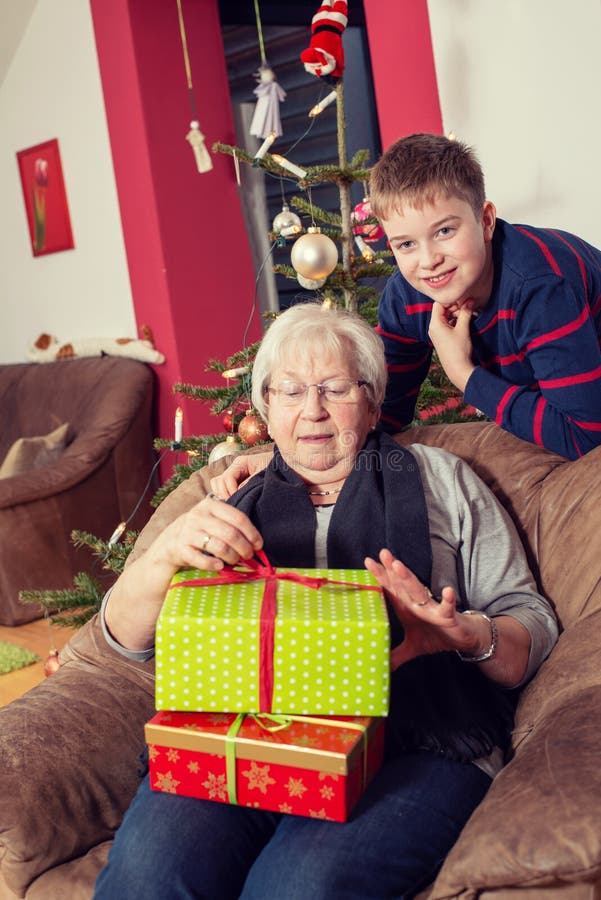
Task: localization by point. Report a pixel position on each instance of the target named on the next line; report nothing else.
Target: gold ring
(429, 596)
(205, 541)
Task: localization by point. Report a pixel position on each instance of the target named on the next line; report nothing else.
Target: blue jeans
(171, 847)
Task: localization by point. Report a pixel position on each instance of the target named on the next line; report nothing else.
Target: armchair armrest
(70, 755)
(540, 823)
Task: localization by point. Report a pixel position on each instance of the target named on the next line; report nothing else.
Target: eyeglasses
(334, 390)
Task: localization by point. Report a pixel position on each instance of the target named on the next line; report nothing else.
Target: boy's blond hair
(420, 167)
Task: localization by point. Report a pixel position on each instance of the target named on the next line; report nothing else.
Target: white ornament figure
(196, 139)
(266, 117)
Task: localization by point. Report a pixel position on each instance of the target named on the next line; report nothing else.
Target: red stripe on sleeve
(570, 380)
(578, 257)
(546, 252)
(558, 333)
(596, 305)
(538, 421)
(503, 360)
(415, 308)
(395, 337)
(404, 367)
(587, 426)
(504, 401)
(502, 314)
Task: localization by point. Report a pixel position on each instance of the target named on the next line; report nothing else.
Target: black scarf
(438, 702)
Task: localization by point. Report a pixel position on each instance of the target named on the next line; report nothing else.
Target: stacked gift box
(272, 686)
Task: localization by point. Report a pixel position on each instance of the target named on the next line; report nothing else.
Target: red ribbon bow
(253, 570)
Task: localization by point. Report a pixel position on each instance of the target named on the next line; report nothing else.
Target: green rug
(13, 657)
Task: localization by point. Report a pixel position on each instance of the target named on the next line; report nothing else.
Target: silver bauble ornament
(287, 223)
(229, 445)
(311, 284)
(314, 255)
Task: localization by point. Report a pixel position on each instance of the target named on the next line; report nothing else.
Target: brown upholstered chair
(92, 480)
(69, 749)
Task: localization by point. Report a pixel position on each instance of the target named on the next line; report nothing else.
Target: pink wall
(188, 254)
(189, 261)
(402, 62)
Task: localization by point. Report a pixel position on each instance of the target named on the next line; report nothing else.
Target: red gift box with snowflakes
(301, 765)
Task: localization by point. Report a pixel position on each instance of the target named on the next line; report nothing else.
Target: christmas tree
(336, 256)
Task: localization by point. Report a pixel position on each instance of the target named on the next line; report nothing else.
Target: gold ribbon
(273, 722)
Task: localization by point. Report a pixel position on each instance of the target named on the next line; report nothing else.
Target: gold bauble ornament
(314, 255)
(229, 445)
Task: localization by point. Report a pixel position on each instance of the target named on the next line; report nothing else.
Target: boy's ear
(489, 218)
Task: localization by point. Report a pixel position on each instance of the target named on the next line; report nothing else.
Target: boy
(513, 312)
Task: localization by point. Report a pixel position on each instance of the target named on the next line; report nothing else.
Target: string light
(178, 428)
(366, 252)
(265, 146)
(117, 533)
(235, 373)
(319, 107)
(290, 166)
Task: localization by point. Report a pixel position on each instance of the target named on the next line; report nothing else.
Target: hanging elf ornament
(324, 56)
(266, 118)
(266, 122)
(195, 137)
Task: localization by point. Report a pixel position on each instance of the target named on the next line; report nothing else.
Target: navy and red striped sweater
(536, 343)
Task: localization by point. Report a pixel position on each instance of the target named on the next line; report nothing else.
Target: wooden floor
(38, 636)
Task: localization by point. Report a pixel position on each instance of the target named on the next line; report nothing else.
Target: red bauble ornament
(230, 419)
(51, 663)
(370, 232)
(252, 429)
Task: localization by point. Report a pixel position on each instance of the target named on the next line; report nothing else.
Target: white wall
(51, 89)
(520, 80)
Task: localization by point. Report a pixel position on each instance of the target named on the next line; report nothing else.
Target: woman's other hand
(433, 625)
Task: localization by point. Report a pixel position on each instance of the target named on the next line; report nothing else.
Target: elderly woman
(467, 624)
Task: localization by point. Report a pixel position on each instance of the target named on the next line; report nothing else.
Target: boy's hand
(450, 333)
(238, 473)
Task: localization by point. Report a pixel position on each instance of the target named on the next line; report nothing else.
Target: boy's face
(444, 251)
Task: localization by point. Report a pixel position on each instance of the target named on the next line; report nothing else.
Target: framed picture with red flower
(45, 198)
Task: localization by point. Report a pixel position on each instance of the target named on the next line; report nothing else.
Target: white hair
(309, 328)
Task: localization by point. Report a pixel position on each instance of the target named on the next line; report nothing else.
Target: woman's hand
(430, 626)
(238, 473)
(207, 536)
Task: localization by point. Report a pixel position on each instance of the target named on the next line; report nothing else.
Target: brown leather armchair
(92, 483)
(69, 749)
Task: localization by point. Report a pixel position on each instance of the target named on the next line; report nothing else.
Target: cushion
(34, 452)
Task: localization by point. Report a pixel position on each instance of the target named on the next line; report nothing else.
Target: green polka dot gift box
(260, 640)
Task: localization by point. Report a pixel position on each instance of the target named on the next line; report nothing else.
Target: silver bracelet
(494, 638)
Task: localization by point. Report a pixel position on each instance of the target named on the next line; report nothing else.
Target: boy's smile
(444, 251)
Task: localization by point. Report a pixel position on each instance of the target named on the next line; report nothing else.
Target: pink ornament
(370, 232)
